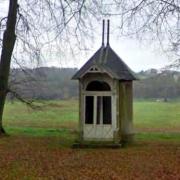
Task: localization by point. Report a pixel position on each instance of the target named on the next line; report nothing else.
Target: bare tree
(156, 20)
(36, 26)
(8, 42)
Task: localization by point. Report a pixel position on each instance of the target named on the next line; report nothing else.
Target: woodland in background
(55, 83)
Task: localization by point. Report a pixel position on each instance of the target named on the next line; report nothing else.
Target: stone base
(86, 144)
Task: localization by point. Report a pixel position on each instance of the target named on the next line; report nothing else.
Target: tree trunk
(9, 38)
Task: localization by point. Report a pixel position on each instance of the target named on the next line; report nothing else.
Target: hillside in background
(154, 84)
(56, 83)
(44, 83)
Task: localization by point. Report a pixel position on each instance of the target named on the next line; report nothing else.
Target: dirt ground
(47, 158)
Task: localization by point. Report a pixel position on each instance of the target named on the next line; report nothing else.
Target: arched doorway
(98, 110)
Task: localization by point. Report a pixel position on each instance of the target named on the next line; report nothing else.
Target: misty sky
(137, 55)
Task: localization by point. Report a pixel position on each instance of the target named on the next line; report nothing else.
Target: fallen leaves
(37, 158)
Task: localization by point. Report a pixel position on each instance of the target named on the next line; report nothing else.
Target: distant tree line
(44, 83)
(55, 83)
(157, 85)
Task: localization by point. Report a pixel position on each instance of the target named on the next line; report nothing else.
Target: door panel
(98, 118)
(89, 109)
(98, 132)
(107, 112)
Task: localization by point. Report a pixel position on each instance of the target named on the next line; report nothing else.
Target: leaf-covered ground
(47, 158)
(39, 145)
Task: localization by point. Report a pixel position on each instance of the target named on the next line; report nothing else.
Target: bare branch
(29, 103)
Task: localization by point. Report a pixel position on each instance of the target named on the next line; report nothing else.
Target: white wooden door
(99, 120)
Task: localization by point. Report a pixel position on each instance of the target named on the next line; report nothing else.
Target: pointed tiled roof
(107, 60)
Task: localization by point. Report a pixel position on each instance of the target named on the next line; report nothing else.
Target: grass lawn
(152, 120)
(157, 116)
(39, 145)
(53, 114)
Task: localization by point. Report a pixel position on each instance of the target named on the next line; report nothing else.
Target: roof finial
(108, 32)
(103, 32)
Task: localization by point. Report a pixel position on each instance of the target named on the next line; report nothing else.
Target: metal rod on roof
(103, 33)
(108, 32)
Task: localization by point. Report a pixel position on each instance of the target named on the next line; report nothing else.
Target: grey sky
(137, 55)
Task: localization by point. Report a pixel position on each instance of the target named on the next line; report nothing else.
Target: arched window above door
(98, 86)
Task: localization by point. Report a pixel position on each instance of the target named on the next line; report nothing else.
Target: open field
(39, 145)
(61, 117)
